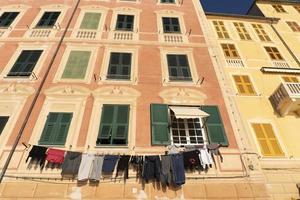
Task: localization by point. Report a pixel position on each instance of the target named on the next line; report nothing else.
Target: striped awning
(185, 112)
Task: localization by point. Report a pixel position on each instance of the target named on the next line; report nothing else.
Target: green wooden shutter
(90, 21)
(214, 126)
(3, 121)
(77, 64)
(120, 128)
(106, 124)
(56, 129)
(159, 124)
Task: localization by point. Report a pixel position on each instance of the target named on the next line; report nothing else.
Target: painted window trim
(89, 69)
(134, 65)
(39, 65)
(125, 11)
(97, 9)
(165, 71)
(277, 135)
(76, 106)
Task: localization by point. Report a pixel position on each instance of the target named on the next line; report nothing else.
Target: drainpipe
(38, 92)
(285, 44)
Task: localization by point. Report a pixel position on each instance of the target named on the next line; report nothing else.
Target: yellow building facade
(256, 59)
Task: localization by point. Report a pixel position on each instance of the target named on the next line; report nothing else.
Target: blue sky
(227, 6)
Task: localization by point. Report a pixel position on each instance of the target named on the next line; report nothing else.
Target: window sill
(118, 81)
(181, 83)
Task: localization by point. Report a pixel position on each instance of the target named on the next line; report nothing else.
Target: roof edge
(268, 19)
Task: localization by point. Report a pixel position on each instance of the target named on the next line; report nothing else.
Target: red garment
(55, 156)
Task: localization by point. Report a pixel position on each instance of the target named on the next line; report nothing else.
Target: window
(221, 29)
(90, 21)
(294, 26)
(56, 128)
(168, 125)
(167, 1)
(3, 121)
(297, 8)
(274, 53)
(242, 31)
(230, 51)
(267, 141)
(171, 25)
(179, 69)
(244, 85)
(125, 22)
(113, 128)
(261, 33)
(76, 65)
(290, 79)
(25, 63)
(7, 19)
(48, 20)
(278, 8)
(119, 66)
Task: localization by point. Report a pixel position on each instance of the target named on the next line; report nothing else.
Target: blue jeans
(178, 169)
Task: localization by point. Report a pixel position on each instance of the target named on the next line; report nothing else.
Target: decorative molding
(116, 92)
(16, 89)
(183, 96)
(67, 90)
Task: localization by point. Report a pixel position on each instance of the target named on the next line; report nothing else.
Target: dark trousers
(178, 169)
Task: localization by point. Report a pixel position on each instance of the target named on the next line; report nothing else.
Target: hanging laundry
(178, 172)
(137, 163)
(109, 163)
(123, 165)
(97, 168)
(191, 160)
(85, 166)
(55, 156)
(151, 169)
(71, 164)
(166, 172)
(215, 150)
(205, 158)
(38, 154)
(172, 149)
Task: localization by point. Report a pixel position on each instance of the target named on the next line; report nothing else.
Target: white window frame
(89, 70)
(203, 131)
(165, 68)
(134, 65)
(95, 9)
(36, 70)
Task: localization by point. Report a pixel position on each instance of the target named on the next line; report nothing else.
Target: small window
(113, 128)
(171, 25)
(3, 121)
(294, 26)
(297, 8)
(76, 65)
(242, 31)
(7, 19)
(90, 21)
(25, 63)
(230, 51)
(244, 85)
(167, 1)
(56, 128)
(179, 68)
(48, 20)
(125, 23)
(221, 29)
(261, 33)
(278, 8)
(267, 141)
(119, 66)
(274, 53)
(290, 79)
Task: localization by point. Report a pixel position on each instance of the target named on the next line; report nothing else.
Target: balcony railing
(286, 98)
(40, 33)
(234, 63)
(281, 64)
(86, 34)
(123, 35)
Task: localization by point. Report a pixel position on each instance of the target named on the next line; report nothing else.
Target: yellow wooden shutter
(290, 79)
(267, 141)
(244, 85)
(230, 51)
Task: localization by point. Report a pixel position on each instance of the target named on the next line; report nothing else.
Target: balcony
(281, 64)
(123, 35)
(86, 34)
(286, 98)
(234, 63)
(39, 33)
